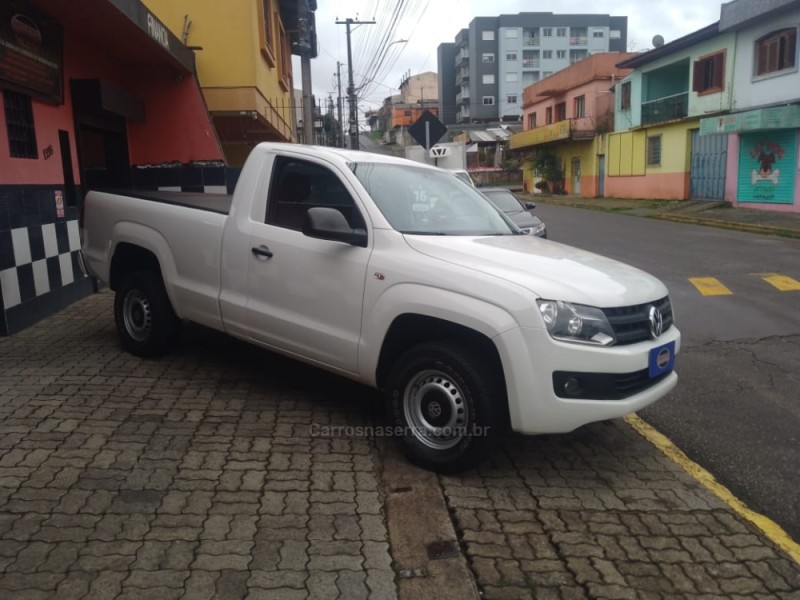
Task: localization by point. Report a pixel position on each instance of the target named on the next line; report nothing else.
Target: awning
(125, 29)
(541, 135)
(777, 117)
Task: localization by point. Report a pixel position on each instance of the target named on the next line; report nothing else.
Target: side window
(298, 185)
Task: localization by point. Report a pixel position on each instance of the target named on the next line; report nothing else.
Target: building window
(532, 120)
(487, 57)
(654, 151)
(547, 54)
(512, 33)
(406, 113)
(487, 36)
(561, 111)
(266, 25)
(776, 51)
(625, 97)
(709, 74)
(488, 79)
(546, 74)
(512, 77)
(598, 34)
(561, 54)
(547, 32)
(510, 56)
(580, 107)
(615, 34)
(511, 99)
(285, 77)
(548, 115)
(488, 100)
(19, 123)
(561, 32)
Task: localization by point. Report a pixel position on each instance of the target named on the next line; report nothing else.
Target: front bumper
(531, 357)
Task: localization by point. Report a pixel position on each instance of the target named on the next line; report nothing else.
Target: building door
(103, 153)
(601, 176)
(707, 171)
(576, 175)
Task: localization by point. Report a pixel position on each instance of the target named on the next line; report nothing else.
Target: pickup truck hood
(548, 269)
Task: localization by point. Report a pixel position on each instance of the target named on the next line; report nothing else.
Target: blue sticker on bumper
(662, 360)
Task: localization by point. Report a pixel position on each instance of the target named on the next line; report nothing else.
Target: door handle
(262, 251)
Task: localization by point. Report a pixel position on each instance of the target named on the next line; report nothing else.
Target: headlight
(537, 229)
(576, 323)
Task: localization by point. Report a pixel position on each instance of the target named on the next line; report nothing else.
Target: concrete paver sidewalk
(208, 474)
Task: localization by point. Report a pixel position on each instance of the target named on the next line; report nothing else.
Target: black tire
(146, 324)
(460, 392)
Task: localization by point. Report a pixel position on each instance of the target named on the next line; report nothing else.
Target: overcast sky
(428, 23)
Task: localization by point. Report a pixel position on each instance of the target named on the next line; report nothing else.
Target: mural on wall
(766, 167)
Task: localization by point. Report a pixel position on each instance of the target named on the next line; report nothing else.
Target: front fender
(409, 298)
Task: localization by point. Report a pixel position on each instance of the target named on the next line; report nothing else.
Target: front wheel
(449, 403)
(146, 324)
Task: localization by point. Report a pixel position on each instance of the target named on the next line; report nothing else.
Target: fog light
(572, 386)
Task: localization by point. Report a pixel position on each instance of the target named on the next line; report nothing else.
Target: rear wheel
(450, 404)
(146, 324)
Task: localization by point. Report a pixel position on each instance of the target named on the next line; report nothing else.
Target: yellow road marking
(710, 286)
(767, 526)
(781, 282)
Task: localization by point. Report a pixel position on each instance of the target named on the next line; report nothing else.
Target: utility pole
(340, 124)
(304, 39)
(351, 87)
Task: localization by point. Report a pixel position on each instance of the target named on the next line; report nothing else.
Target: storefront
(763, 160)
(91, 94)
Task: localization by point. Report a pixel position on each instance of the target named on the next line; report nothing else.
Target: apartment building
(495, 58)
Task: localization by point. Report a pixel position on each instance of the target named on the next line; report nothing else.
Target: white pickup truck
(397, 275)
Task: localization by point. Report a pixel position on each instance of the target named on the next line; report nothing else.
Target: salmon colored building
(94, 94)
(569, 115)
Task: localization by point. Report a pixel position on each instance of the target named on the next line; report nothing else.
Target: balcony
(462, 56)
(530, 41)
(530, 63)
(462, 75)
(578, 40)
(462, 97)
(668, 108)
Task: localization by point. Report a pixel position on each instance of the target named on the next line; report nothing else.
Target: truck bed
(218, 203)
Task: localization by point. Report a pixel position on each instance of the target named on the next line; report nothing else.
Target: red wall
(177, 125)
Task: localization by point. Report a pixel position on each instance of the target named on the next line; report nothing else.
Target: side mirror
(529, 206)
(329, 224)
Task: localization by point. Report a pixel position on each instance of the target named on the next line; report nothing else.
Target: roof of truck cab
(343, 153)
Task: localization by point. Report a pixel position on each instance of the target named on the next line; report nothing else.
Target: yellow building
(244, 65)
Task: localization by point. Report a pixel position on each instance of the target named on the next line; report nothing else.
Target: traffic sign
(427, 130)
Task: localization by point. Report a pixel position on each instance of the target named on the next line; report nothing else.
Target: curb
(678, 218)
(736, 226)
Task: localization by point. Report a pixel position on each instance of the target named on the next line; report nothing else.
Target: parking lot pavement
(194, 475)
(208, 474)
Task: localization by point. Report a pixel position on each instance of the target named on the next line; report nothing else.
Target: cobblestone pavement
(600, 513)
(198, 475)
(194, 475)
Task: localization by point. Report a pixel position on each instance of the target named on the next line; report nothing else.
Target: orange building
(568, 114)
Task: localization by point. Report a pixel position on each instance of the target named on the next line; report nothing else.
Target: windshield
(430, 202)
(505, 201)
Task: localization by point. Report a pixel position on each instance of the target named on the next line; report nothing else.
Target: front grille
(631, 324)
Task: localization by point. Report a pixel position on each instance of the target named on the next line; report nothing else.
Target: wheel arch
(410, 329)
(131, 257)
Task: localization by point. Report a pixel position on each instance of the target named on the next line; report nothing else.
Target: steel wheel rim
(137, 315)
(435, 409)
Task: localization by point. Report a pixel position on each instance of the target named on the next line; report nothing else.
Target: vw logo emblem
(656, 322)
(434, 409)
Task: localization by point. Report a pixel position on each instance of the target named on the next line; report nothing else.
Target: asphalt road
(736, 410)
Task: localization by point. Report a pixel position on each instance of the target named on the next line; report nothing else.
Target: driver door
(305, 295)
